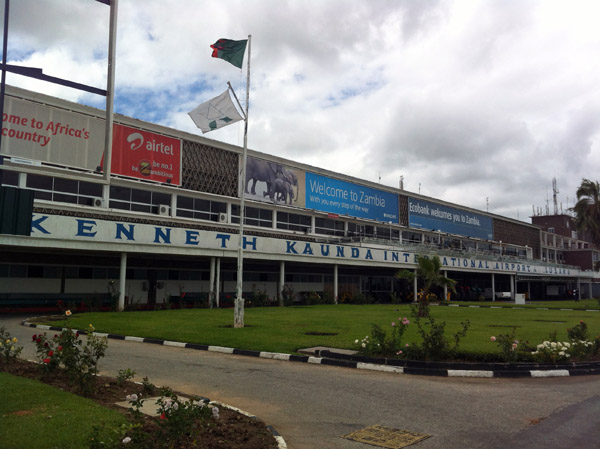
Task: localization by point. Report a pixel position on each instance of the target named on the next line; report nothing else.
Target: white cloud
(470, 99)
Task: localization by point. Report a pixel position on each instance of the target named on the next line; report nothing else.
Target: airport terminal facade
(165, 223)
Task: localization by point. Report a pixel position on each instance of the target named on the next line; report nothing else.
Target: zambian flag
(230, 51)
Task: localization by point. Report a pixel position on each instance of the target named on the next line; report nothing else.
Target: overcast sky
(480, 103)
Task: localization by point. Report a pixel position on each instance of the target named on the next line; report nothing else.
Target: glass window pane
(39, 182)
(141, 196)
(161, 198)
(120, 193)
(65, 185)
(90, 189)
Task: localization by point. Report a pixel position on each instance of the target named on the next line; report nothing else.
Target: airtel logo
(135, 140)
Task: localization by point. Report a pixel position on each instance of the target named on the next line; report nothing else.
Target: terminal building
(163, 227)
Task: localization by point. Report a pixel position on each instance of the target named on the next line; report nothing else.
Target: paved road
(312, 406)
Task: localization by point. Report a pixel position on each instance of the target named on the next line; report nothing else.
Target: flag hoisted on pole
(215, 113)
(231, 51)
(238, 314)
(219, 112)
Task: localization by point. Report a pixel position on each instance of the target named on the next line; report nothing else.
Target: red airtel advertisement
(145, 155)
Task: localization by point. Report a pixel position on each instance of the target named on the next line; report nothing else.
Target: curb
(512, 307)
(397, 366)
(281, 444)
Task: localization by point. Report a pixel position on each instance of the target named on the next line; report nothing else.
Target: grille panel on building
(208, 169)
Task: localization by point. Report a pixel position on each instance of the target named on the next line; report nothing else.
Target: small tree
(587, 209)
(428, 271)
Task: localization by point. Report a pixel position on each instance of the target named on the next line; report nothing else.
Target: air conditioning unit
(222, 217)
(99, 202)
(164, 210)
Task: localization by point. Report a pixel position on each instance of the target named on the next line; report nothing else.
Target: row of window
(142, 274)
(130, 199)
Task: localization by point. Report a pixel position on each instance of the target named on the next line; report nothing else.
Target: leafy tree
(587, 209)
(428, 271)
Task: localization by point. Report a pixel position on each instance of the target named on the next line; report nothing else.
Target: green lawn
(38, 416)
(288, 329)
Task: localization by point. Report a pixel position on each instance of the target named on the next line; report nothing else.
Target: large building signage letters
(431, 216)
(340, 197)
(92, 230)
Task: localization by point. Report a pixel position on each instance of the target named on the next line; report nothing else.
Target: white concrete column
(211, 288)
(512, 287)
(415, 290)
(445, 287)
(493, 287)
(122, 281)
(217, 281)
(335, 283)
(281, 281)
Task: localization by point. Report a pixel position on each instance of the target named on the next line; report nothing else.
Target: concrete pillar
(335, 283)
(512, 287)
(211, 288)
(217, 281)
(281, 281)
(493, 287)
(122, 281)
(445, 287)
(415, 291)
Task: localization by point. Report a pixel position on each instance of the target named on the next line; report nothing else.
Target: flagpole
(239, 300)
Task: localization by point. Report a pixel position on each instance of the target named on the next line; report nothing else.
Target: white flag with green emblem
(215, 113)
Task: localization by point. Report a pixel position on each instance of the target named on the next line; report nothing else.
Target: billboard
(431, 216)
(274, 183)
(146, 155)
(341, 197)
(41, 133)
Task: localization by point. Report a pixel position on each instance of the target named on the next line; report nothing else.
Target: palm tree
(428, 271)
(587, 209)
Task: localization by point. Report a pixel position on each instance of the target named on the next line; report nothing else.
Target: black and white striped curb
(281, 444)
(331, 358)
(512, 307)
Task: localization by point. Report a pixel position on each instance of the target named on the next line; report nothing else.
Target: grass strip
(37, 416)
(288, 329)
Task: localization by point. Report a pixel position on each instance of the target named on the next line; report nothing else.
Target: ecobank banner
(340, 197)
(431, 216)
(41, 133)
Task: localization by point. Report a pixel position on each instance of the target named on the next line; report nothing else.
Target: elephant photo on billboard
(279, 180)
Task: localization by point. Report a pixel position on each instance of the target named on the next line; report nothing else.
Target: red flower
(50, 353)
(59, 348)
(47, 360)
(38, 340)
(46, 345)
(34, 338)
(163, 416)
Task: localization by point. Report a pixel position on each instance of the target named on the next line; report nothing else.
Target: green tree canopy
(429, 272)
(587, 209)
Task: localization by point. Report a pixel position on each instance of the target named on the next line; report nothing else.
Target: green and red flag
(230, 51)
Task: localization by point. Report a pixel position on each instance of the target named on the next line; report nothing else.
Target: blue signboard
(431, 216)
(340, 197)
